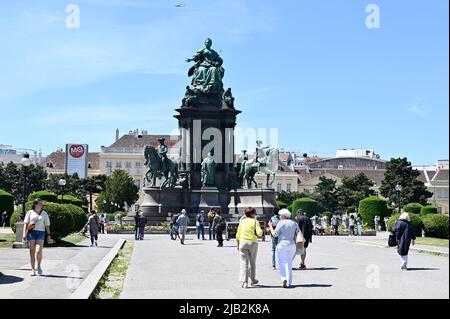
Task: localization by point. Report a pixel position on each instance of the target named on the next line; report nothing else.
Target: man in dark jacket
(305, 225)
(136, 226)
(404, 232)
(142, 224)
(220, 226)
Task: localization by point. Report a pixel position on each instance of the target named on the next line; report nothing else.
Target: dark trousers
(219, 236)
(201, 230)
(336, 230)
(93, 238)
(352, 230)
(141, 233)
(102, 228)
(136, 233)
(212, 232)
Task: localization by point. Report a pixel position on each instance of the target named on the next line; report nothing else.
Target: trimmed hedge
(69, 199)
(44, 195)
(427, 210)
(373, 206)
(413, 208)
(415, 221)
(308, 205)
(61, 220)
(79, 216)
(281, 204)
(15, 217)
(6, 203)
(436, 226)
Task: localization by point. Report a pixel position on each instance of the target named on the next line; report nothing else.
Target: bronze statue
(228, 98)
(208, 172)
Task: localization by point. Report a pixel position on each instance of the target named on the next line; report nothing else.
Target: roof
(139, 141)
(375, 175)
(57, 160)
(442, 175)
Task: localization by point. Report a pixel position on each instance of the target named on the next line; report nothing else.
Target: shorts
(36, 235)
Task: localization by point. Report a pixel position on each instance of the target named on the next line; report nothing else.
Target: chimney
(117, 134)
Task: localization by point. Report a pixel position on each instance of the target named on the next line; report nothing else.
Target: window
(137, 164)
(138, 172)
(138, 183)
(128, 164)
(288, 187)
(118, 164)
(441, 193)
(109, 164)
(279, 189)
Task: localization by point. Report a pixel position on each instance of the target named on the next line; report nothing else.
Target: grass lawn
(6, 240)
(432, 241)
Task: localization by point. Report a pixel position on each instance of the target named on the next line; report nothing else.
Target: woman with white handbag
(288, 234)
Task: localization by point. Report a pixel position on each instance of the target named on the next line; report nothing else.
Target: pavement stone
(338, 267)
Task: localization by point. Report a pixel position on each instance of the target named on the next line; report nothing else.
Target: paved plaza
(339, 267)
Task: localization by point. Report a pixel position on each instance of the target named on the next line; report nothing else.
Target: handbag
(30, 227)
(299, 240)
(392, 240)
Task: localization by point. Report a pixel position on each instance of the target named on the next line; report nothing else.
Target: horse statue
(266, 164)
(157, 168)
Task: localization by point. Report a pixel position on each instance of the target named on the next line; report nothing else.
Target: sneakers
(39, 270)
(244, 284)
(285, 284)
(92, 245)
(33, 272)
(96, 244)
(302, 267)
(404, 266)
(255, 282)
(274, 268)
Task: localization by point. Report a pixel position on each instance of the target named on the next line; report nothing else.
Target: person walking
(142, 222)
(94, 227)
(405, 235)
(219, 225)
(335, 224)
(4, 218)
(36, 224)
(305, 226)
(351, 225)
(274, 222)
(286, 232)
(136, 226)
(200, 224)
(183, 221)
(386, 221)
(102, 222)
(211, 229)
(359, 224)
(247, 235)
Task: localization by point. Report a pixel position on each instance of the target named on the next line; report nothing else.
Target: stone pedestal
(263, 200)
(19, 243)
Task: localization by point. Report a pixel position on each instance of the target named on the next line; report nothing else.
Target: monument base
(159, 204)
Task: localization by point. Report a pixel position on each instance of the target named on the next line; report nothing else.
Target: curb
(87, 287)
(421, 250)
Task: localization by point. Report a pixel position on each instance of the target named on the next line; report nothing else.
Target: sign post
(77, 159)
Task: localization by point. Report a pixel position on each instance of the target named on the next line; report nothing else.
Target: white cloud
(417, 108)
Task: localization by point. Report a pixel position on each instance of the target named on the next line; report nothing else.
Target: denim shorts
(36, 235)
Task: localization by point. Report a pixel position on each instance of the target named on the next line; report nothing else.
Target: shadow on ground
(7, 279)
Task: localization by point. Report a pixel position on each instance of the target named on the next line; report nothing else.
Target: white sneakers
(33, 272)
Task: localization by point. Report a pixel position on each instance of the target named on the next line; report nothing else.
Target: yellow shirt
(246, 230)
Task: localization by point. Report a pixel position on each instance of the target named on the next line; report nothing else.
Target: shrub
(281, 204)
(308, 205)
(389, 211)
(370, 207)
(427, 210)
(44, 195)
(111, 217)
(436, 225)
(6, 204)
(15, 217)
(69, 199)
(412, 208)
(61, 220)
(289, 207)
(79, 216)
(415, 221)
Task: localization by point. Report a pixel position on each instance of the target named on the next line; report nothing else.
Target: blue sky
(312, 69)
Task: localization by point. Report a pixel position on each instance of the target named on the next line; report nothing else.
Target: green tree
(12, 179)
(353, 190)
(119, 188)
(289, 197)
(399, 171)
(326, 193)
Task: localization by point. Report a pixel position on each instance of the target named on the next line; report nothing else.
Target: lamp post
(399, 189)
(26, 162)
(62, 183)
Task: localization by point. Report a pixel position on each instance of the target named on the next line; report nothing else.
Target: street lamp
(62, 183)
(26, 162)
(399, 189)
